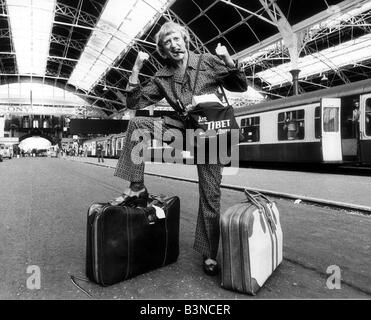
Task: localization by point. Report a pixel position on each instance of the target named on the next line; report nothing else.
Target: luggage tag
(160, 213)
(154, 216)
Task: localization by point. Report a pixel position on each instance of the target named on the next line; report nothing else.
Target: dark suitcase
(123, 242)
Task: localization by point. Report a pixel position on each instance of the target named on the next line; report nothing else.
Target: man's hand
(222, 53)
(138, 65)
(141, 57)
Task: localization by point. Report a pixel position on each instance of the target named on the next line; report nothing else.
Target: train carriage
(115, 143)
(112, 145)
(317, 127)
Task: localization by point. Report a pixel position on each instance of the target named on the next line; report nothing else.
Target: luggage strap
(73, 280)
(162, 199)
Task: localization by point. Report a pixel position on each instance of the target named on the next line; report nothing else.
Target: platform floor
(43, 204)
(345, 189)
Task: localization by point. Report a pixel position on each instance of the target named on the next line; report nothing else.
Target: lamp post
(295, 80)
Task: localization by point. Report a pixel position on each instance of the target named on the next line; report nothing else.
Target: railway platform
(326, 188)
(43, 207)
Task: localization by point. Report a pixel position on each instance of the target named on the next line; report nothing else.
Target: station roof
(89, 46)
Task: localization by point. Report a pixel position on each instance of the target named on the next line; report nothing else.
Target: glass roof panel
(31, 25)
(41, 94)
(120, 22)
(339, 17)
(347, 53)
(316, 63)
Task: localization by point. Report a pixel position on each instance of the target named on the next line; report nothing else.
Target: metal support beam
(302, 27)
(75, 44)
(76, 14)
(289, 36)
(249, 12)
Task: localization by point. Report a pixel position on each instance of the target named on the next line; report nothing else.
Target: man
(100, 152)
(355, 119)
(175, 82)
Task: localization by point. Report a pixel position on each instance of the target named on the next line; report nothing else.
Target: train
(112, 145)
(327, 126)
(331, 125)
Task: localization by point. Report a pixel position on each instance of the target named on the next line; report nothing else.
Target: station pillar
(295, 80)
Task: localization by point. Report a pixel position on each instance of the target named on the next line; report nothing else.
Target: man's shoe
(210, 267)
(132, 198)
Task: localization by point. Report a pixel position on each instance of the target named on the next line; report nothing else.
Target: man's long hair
(167, 28)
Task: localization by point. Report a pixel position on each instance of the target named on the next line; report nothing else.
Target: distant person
(355, 119)
(100, 152)
(292, 130)
(291, 127)
(368, 117)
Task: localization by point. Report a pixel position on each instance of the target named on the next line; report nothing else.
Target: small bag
(210, 118)
(209, 114)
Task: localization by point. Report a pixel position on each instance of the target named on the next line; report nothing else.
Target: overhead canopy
(89, 46)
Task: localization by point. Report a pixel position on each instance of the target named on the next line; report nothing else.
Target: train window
(26, 122)
(368, 117)
(331, 119)
(250, 128)
(317, 122)
(300, 114)
(291, 125)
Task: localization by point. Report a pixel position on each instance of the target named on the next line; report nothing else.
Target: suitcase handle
(255, 194)
(161, 198)
(252, 196)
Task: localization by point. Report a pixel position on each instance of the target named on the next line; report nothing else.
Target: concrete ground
(352, 190)
(43, 204)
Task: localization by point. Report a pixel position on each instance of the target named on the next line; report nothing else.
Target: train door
(330, 127)
(114, 147)
(365, 128)
(94, 148)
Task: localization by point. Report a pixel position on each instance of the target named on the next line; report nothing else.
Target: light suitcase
(123, 242)
(251, 237)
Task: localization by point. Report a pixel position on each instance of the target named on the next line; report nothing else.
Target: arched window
(35, 123)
